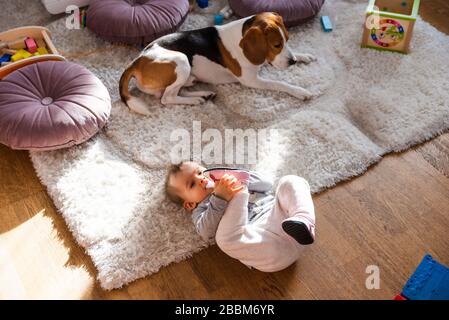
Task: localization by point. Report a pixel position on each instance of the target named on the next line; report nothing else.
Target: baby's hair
(172, 192)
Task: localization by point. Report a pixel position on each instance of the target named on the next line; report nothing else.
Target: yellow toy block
(16, 57)
(21, 54)
(24, 53)
(42, 50)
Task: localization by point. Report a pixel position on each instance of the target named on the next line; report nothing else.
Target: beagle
(220, 54)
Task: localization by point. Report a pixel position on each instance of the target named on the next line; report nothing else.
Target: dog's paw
(206, 95)
(210, 96)
(305, 58)
(302, 94)
(312, 95)
(317, 93)
(197, 100)
(308, 96)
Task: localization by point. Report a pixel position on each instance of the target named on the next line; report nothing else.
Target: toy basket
(35, 32)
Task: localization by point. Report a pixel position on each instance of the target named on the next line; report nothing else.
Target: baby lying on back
(248, 223)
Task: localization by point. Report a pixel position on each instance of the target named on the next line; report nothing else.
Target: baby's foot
(301, 230)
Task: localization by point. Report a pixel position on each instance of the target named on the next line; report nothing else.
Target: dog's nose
(291, 62)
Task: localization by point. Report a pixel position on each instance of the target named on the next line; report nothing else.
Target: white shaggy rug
(109, 190)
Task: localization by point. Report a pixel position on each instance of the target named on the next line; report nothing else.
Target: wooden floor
(389, 217)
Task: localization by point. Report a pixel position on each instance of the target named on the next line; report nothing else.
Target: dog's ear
(254, 45)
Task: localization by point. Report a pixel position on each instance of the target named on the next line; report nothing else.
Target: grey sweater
(207, 215)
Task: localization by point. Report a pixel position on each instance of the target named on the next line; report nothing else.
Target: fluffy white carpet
(109, 190)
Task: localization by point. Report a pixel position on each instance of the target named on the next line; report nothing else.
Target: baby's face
(191, 183)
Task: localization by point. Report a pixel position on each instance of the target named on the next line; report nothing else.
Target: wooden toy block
(326, 23)
(42, 50)
(5, 58)
(21, 54)
(16, 57)
(202, 3)
(24, 53)
(31, 45)
(389, 24)
(218, 19)
(83, 18)
(9, 51)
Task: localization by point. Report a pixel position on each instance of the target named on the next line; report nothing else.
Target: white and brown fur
(221, 54)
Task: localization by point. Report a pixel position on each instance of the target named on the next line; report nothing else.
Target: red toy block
(31, 45)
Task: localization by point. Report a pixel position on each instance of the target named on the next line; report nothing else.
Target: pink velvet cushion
(135, 21)
(293, 12)
(51, 105)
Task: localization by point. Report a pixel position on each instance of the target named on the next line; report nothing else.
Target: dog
(233, 52)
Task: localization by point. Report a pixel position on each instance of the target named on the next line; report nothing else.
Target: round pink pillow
(135, 21)
(51, 105)
(293, 12)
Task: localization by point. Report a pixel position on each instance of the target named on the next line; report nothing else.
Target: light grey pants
(263, 244)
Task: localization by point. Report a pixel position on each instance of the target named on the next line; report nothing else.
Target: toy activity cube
(389, 24)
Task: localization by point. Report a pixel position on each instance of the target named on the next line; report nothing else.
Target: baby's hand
(227, 187)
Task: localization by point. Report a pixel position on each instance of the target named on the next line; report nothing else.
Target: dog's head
(265, 40)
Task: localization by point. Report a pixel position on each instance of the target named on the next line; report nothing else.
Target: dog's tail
(133, 103)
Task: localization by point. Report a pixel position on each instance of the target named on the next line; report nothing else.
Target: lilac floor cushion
(293, 12)
(51, 105)
(135, 21)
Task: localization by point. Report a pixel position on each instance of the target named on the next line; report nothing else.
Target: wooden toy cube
(389, 24)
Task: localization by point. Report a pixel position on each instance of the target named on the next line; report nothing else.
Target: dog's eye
(277, 46)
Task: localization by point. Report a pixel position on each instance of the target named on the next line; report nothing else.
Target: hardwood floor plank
(436, 152)
(17, 176)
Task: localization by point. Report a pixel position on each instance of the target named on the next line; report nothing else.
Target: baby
(263, 231)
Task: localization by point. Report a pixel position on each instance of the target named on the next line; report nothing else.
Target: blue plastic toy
(218, 19)
(5, 58)
(202, 3)
(430, 281)
(326, 23)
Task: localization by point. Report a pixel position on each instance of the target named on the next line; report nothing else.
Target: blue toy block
(5, 58)
(202, 3)
(326, 23)
(218, 19)
(430, 281)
